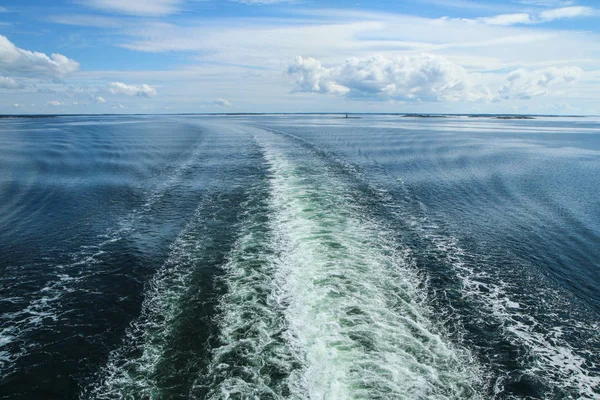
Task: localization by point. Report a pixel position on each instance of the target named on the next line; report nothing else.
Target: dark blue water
(299, 256)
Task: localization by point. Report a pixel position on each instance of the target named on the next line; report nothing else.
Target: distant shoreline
(471, 116)
(30, 116)
(352, 115)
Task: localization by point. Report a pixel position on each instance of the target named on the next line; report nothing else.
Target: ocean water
(299, 257)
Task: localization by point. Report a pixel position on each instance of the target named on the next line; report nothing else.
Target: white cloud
(566, 12)
(524, 84)
(3, 9)
(86, 20)
(508, 19)
(16, 61)
(413, 78)
(136, 7)
(99, 99)
(547, 3)
(131, 90)
(544, 16)
(10, 83)
(222, 102)
(54, 103)
(17, 105)
(311, 76)
(333, 35)
(247, 41)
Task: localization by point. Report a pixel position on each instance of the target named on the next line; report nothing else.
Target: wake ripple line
(131, 368)
(46, 306)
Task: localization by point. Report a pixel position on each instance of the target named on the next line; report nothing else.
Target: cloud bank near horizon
(421, 78)
(131, 90)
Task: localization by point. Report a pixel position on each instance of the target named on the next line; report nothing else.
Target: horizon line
(431, 115)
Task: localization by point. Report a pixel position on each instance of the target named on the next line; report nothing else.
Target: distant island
(501, 116)
(494, 116)
(514, 117)
(27, 116)
(425, 116)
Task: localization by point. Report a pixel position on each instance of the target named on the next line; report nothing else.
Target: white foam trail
(254, 359)
(549, 357)
(131, 369)
(336, 297)
(46, 303)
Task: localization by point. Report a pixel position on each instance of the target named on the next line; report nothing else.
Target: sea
(300, 256)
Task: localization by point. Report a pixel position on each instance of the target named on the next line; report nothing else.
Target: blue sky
(166, 56)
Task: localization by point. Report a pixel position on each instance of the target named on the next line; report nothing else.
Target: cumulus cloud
(16, 61)
(131, 90)
(311, 76)
(222, 102)
(54, 103)
(136, 7)
(524, 84)
(99, 99)
(419, 78)
(10, 83)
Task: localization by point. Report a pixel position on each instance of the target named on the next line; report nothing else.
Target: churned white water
(323, 303)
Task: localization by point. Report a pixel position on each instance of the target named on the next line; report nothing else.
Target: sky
(228, 56)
